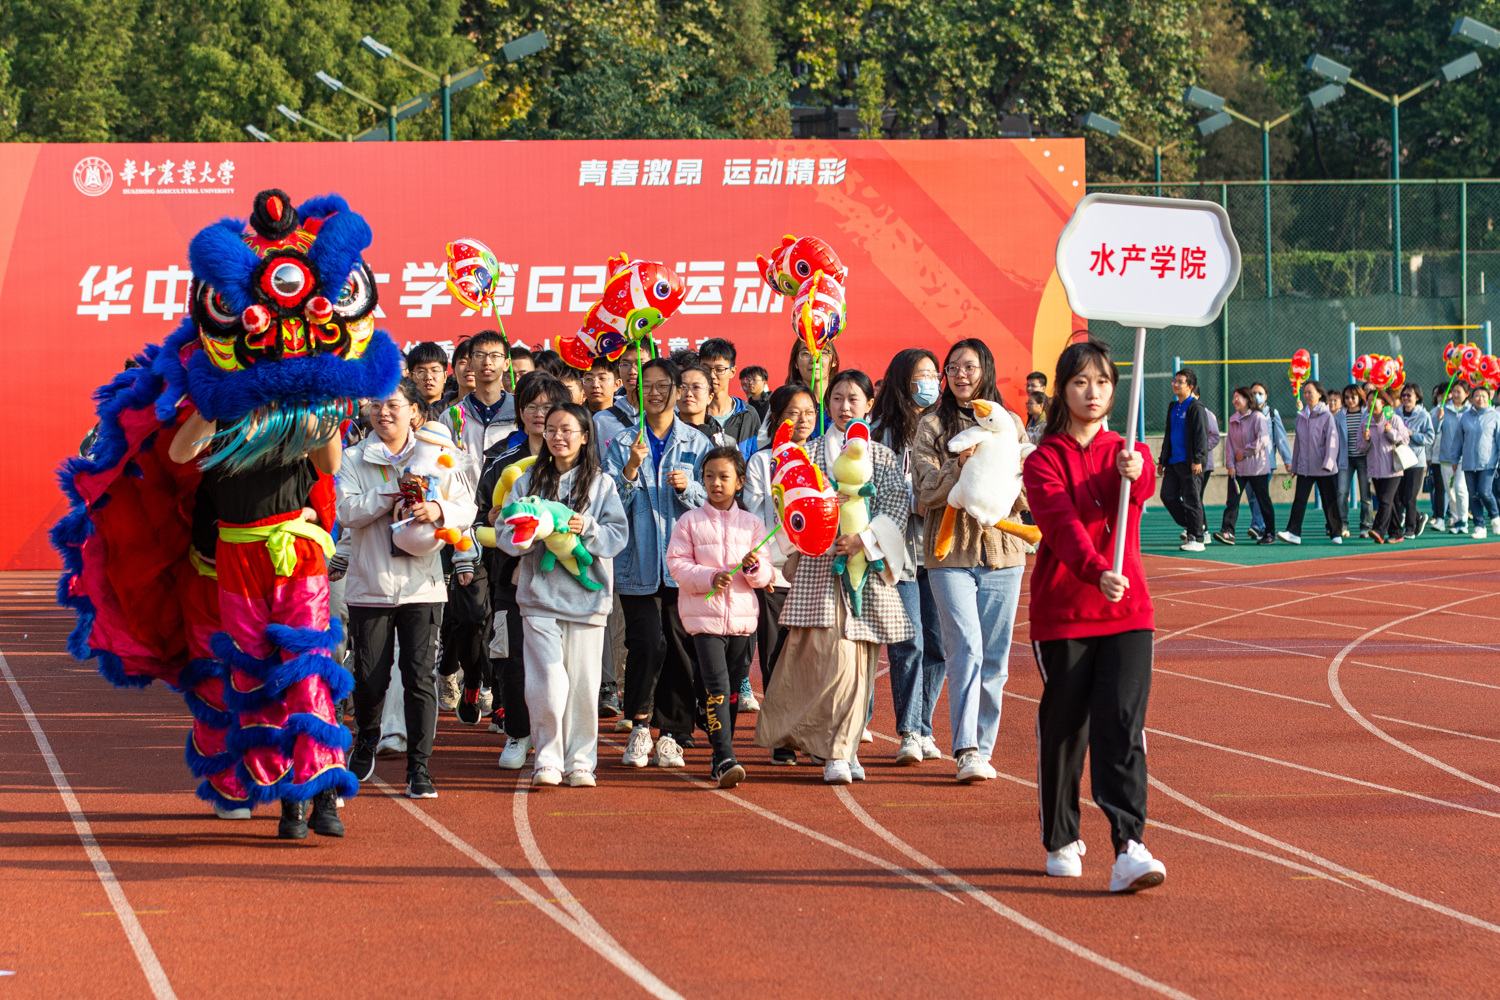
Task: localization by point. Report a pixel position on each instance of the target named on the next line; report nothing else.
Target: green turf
(1159, 537)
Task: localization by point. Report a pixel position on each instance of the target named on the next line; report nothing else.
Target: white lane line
(1157, 824)
(990, 902)
(1239, 687)
(1315, 621)
(1353, 713)
(1256, 645)
(1419, 673)
(605, 946)
(1449, 642)
(1465, 614)
(1324, 862)
(156, 976)
(1326, 774)
(1438, 729)
(1198, 604)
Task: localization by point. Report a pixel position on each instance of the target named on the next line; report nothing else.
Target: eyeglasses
(426, 375)
(479, 357)
(695, 389)
(796, 415)
(598, 379)
(536, 409)
(657, 388)
(561, 432)
(393, 406)
(968, 371)
(719, 371)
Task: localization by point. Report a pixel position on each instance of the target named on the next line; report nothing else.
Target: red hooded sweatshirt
(1073, 491)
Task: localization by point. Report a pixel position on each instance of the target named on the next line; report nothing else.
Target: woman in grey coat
(1315, 462)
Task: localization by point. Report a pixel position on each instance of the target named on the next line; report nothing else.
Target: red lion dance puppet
(208, 572)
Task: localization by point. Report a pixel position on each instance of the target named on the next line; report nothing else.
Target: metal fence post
(1488, 349)
(1224, 315)
(1352, 330)
(1315, 368)
(1463, 249)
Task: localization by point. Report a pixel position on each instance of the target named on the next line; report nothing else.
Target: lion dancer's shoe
(283, 685)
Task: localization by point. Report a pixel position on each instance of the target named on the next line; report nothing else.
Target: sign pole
(1122, 512)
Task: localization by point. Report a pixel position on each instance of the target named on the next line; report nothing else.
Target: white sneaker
(391, 746)
(972, 768)
(866, 737)
(910, 751)
(668, 753)
(1457, 529)
(1495, 525)
(222, 813)
(1438, 524)
(486, 701)
(638, 750)
(624, 725)
(449, 691)
(1135, 869)
(836, 772)
(1337, 539)
(1191, 545)
(1291, 539)
(748, 701)
(856, 769)
(930, 749)
(513, 758)
(1067, 861)
(579, 779)
(546, 777)
(1182, 536)
(1479, 532)
(495, 726)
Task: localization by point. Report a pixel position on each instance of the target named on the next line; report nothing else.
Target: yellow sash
(280, 541)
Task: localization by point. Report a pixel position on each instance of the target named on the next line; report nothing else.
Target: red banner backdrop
(943, 240)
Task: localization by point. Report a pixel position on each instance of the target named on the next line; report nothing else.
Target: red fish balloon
(1489, 371)
(1363, 365)
(1468, 359)
(1387, 373)
(1452, 355)
(818, 312)
(1300, 369)
(638, 297)
(795, 261)
(807, 506)
(472, 269)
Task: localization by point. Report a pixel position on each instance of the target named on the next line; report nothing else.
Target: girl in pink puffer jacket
(709, 548)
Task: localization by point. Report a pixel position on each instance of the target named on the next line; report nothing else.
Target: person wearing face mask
(977, 587)
(818, 699)
(909, 394)
(793, 402)
(1281, 448)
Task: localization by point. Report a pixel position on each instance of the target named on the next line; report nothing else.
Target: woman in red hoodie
(1091, 628)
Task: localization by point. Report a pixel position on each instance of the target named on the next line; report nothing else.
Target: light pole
(1338, 73)
(297, 118)
(389, 112)
(258, 134)
(1111, 128)
(450, 83)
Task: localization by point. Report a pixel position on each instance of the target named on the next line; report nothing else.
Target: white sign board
(1151, 262)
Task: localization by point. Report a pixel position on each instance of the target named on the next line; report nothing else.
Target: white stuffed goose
(990, 481)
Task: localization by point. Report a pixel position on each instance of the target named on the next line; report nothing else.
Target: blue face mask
(927, 392)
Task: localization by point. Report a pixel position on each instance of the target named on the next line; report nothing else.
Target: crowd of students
(664, 476)
(1383, 440)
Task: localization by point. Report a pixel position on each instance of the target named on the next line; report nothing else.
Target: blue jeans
(1257, 521)
(977, 610)
(1482, 503)
(917, 664)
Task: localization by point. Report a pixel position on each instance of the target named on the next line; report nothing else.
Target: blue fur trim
(243, 740)
(339, 779)
(197, 671)
(207, 714)
(224, 648)
(322, 205)
(203, 767)
(208, 793)
(167, 366)
(306, 640)
(228, 396)
(335, 737)
(336, 250)
(277, 679)
(220, 258)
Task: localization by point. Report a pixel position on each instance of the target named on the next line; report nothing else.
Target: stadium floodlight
(1476, 31)
(1099, 123)
(1200, 98)
(338, 87)
(1326, 94)
(1111, 128)
(449, 83)
(1327, 68)
(1213, 123)
(297, 118)
(1462, 66)
(526, 45)
(380, 51)
(258, 134)
(330, 82)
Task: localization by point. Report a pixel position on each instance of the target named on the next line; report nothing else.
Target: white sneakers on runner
(910, 751)
(836, 772)
(579, 779)
(972, 768)
(1289, 538)
(1135, 869)
(513, 757)
(930, 749)
(1066, 861)
(546, 777)
(856, 769)
(238, 813)
(668, 753)
(638, 750)
(868, 737)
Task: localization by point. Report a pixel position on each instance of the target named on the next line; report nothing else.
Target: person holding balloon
(1315, 462)
(1248, 455)
(1479, 441)
(1419, 423)
(1450, 493)
(1385, 432)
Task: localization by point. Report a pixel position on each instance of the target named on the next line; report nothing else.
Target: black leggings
(511, 671)
(371, 632)
(1093, 699)
(658, 662)
(1385, 513)
(1328, 489)
(1405, 504)
(770, 635)
(723, 662)
(1261, 487)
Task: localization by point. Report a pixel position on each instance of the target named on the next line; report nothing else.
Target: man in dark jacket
(1184, 452)
(735, 418)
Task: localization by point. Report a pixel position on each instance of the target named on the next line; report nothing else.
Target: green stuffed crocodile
(532, 518)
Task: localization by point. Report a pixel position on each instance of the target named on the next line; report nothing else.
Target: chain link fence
(1340, 253)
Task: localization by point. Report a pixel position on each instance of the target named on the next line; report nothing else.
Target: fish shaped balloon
(1489, 371)
(819, 313)
(1300, 369)
(471, 272)
(1363, 366)
(638, 297)
(807, 506)
(1469, 356)
(1387, 373)
(791, 264)
(1452, 356)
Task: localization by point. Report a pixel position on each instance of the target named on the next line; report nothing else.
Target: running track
(1326, 796)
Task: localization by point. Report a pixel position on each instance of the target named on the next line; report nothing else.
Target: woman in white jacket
(392, 594)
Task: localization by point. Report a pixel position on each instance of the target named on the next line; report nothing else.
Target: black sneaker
(293, 825)
(609, 705)
(362, 758)
(467, 708)
(1225, 537)
(685, 740)
(419, 784)
(325, 820)
(783, 757)
(1254, 533)
(1422, 520)
(729, 773)
(1267, 540)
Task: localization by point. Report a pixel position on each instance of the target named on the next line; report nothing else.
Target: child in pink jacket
(708, 548)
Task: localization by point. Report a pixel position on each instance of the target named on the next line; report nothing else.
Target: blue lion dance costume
(210, 575)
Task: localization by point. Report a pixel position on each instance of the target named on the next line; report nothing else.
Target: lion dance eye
(217, 308)
(355, 298)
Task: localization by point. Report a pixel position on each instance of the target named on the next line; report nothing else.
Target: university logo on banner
(93, 176)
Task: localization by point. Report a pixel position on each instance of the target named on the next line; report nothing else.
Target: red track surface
(1335, 863)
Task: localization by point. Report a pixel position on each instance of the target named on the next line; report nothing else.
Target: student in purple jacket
(1315, 461)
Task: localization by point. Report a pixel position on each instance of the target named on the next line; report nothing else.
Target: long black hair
(781, 401)
(895, 414)
(545, 476)
(1075, 359)
(798, 346)
(948, 407)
